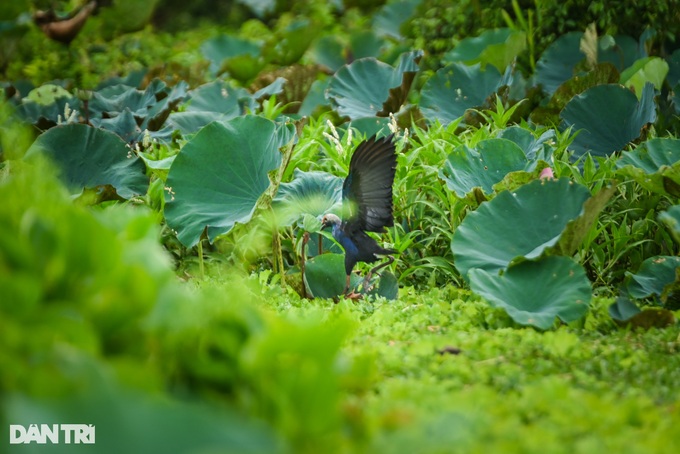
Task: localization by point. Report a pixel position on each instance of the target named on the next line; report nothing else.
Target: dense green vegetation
(160, 173)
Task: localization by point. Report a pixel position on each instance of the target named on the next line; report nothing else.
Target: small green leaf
(623, 309)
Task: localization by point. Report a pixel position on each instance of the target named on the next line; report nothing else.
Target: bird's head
(329, 220)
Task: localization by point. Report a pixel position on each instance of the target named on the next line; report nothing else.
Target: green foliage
(546, 221)
(608, 117)
(535, 292)
(92, 158)
(537, 214)
(471, 87)
(237, 155)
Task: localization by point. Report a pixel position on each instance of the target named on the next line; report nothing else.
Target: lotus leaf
(456, 88)
(362, 88)
(535, 292)
(468, 168)
(392, 15)
(325, 278)
(556, 64)
(650, 69)
(623, 309)
(522, 224)
(654, 275)
(218, 176)
(222, 48)
(532, 146)
(607, 118)
(671, 217)
(313, 193)
(91, 157)
(655, 165)
(498, 47)
(111, 101)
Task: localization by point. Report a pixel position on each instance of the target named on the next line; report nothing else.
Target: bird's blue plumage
(367, 201)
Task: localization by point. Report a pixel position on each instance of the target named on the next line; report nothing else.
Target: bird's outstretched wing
(367, 190)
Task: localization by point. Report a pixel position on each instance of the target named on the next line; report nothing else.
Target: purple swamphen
(367, 206)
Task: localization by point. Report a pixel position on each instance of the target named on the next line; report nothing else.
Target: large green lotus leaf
(91, 157)
(361, 89)
(534, 293)
(243, 68)
(214, 101)
(224, 47)
(215, 97)
(328, 51)
(622, 51)
(671, 217)
(556, 64)
(325, 278)
(498, 47)
(519, 224)
(312, 193)
(456, 88)
(218, 176)
(483, 166)
(549, 114)
(365, 43)
(46, 116)
(110, 101)
(315, 98)
(650, 69)
(392, 15)
(47, 94)
(655, 165)
(325, 275)
(607, 118)
(290, 43)
(654, 275)
(533, 147)
(123, 125)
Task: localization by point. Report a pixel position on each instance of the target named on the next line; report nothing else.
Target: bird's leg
(351, 295)
(375, 269)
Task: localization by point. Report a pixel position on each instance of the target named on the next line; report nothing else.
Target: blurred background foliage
(435, 26)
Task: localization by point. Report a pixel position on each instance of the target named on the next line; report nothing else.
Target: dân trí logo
(51, 433)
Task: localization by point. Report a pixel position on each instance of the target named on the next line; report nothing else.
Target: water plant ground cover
(165, 276)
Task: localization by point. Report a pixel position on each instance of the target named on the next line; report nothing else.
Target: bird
(367, 207)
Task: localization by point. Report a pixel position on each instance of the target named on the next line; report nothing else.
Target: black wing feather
(368, 186)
